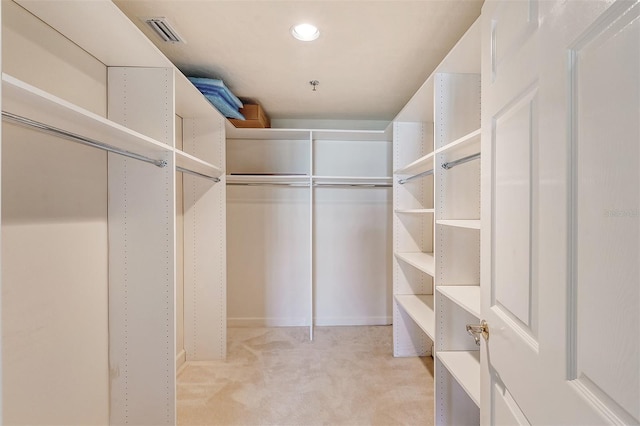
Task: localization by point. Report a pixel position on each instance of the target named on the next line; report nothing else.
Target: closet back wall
(300, 252)
(54, 241)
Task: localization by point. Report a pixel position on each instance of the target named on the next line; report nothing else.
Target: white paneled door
(561, 212)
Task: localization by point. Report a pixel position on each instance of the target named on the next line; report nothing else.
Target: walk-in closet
(312, 212)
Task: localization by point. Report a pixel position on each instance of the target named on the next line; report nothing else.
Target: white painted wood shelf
(29, 102)
(267, 179)
(414, 211)
(277, 134)
(191, 163)
(421, 309)
(363, 180)
(460, 223)
(422, 261)
(26, 101)
(421, 165)
(465, 296)
(464, 366)
(349, 135)
(470, 140)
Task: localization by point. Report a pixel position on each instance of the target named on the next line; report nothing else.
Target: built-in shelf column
(142, 254)
(205, 266)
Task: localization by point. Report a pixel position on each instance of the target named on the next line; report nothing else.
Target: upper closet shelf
(86, 22)
(465, 296)
(191, 164)
(465, 367)
(353, 180)
(415, 211)
(460, 223)
(419, 260)
(422, 164)
(307, 134)
(350, 135)
(24, 100)
(267, 134)
(420, 309)
(466, 144)
(463, 58)
(268, 179)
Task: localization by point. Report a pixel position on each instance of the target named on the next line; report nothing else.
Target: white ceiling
(370, 58)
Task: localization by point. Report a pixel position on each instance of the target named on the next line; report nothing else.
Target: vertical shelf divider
(311, 256)
(205, 307)
(142, 253)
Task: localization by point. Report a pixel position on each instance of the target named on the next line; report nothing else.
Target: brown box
(255, 117)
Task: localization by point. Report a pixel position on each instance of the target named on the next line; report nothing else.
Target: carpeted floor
(276, 376)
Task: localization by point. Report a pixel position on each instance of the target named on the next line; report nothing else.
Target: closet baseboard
(267, 322)
(346, 321)
(304, 322)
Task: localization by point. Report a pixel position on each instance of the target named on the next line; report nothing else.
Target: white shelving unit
(420, 309)
(437, 211)
(465, 296)
(421, 261)
(464, 366)
(306, 200)
(460, 223)
(414, 211)
(140, 245)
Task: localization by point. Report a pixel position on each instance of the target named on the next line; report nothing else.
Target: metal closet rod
(77, 138)
(452, 164)
(352, 185)
(303, 185)
(191, 172)
(405, 180)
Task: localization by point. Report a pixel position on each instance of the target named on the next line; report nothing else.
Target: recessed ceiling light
(305, 32)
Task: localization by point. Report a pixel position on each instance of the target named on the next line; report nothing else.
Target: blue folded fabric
(226, 102)
(223, 106)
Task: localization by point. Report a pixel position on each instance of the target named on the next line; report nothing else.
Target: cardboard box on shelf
(255, 117)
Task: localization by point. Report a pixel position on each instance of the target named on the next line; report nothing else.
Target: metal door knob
(479, 330)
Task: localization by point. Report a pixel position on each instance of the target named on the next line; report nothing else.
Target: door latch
(479, 330)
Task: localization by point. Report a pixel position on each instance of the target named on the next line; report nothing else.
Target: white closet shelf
(350, 135)
(191, 163)
(353, 179)
(267, 134)
(464, 366)
(257, 178)
(467, 143)
(422, 261)
(140, 51)
(29, 102)
(422, 164)
(420, 309)
(465, 296)
(190, 103)
(460, 223)
(414, 211)
(307, 134)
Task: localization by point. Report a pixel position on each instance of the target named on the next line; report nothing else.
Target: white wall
(54, 242)
(269, 231)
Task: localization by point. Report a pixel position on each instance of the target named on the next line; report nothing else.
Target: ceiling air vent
(162, 27)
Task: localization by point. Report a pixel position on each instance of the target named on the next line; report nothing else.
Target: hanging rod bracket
(452, 164)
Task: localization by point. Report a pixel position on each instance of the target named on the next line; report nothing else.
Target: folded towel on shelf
(223, 106)
(219, 95)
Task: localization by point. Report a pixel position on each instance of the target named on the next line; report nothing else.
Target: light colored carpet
(276, 376)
